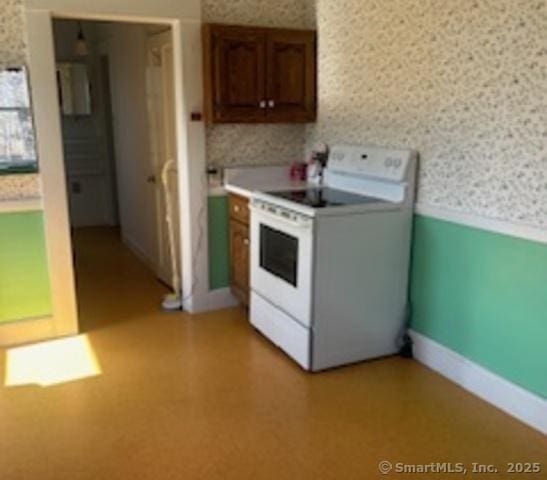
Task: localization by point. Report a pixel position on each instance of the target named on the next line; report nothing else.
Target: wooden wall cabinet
(239, 247)
(259, 75)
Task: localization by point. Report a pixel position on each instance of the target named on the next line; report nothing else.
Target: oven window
(279, 254)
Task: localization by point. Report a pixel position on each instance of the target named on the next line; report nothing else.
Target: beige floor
(205, 397)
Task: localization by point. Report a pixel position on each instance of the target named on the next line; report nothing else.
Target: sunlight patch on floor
(51, 363)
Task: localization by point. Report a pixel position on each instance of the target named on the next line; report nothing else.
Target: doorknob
(151, 179)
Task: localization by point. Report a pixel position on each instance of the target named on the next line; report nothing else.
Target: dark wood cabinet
(259, 75)
(239, 247)
(238, 85)
(291, 76)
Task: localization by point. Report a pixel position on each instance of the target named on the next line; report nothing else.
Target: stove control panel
(282, 213)
(391, 165)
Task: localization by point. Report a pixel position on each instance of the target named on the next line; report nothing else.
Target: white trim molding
(503, 227)
(23, 205)
(220, 299)
(26, 330)
(503, 394)
(41, 58)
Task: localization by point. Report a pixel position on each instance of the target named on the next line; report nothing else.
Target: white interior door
(161, 102)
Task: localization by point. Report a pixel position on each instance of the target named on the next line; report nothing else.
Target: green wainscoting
(483, 295)
(24, 279)
(219, 252)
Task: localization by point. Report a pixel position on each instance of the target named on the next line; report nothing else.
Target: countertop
(246, 180)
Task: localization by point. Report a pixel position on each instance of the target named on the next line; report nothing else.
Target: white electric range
(329, 264)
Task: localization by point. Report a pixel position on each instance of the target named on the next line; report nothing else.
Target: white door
(160, 99)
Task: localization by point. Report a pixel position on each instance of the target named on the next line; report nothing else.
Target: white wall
(125, 45)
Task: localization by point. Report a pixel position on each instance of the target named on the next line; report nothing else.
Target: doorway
(184, 20)
(116, 92)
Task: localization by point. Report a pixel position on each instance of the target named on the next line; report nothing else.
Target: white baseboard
(219, 299)
(214, 300)
(23, 205)
(505, 395)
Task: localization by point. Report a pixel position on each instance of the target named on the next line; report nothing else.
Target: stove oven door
(281, 262)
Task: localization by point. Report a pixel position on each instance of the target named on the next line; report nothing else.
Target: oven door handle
(306, 224)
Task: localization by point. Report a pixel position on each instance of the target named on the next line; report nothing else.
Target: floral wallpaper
(461, 81)
(266, 13)
(464, 82)
(19, 187)
(12, 39)
(13, 52)
(230, 145)
(257, 144)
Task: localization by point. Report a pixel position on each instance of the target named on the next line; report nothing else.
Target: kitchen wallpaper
(462, 81)
(12, 41)
(230, 145)
(257, 144)
(266, 13)
(19, 187)
(12, 52)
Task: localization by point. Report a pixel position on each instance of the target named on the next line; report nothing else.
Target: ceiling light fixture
(80, 47)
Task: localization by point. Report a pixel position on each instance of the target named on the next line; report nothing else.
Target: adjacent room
(116, 95)
(301, 239)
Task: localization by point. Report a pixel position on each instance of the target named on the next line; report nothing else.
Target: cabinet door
(239, 208)
(238, 75)
(291, 76)
(239, 257)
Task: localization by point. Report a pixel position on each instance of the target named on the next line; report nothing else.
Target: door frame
(190, 142)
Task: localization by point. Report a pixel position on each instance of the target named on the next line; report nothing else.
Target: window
(17, 140)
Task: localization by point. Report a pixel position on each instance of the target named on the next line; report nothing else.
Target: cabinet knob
(271, 104)
(246, 241)
(236, 208)
(262, 104)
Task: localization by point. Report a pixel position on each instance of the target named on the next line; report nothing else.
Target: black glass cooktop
(324, 197)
